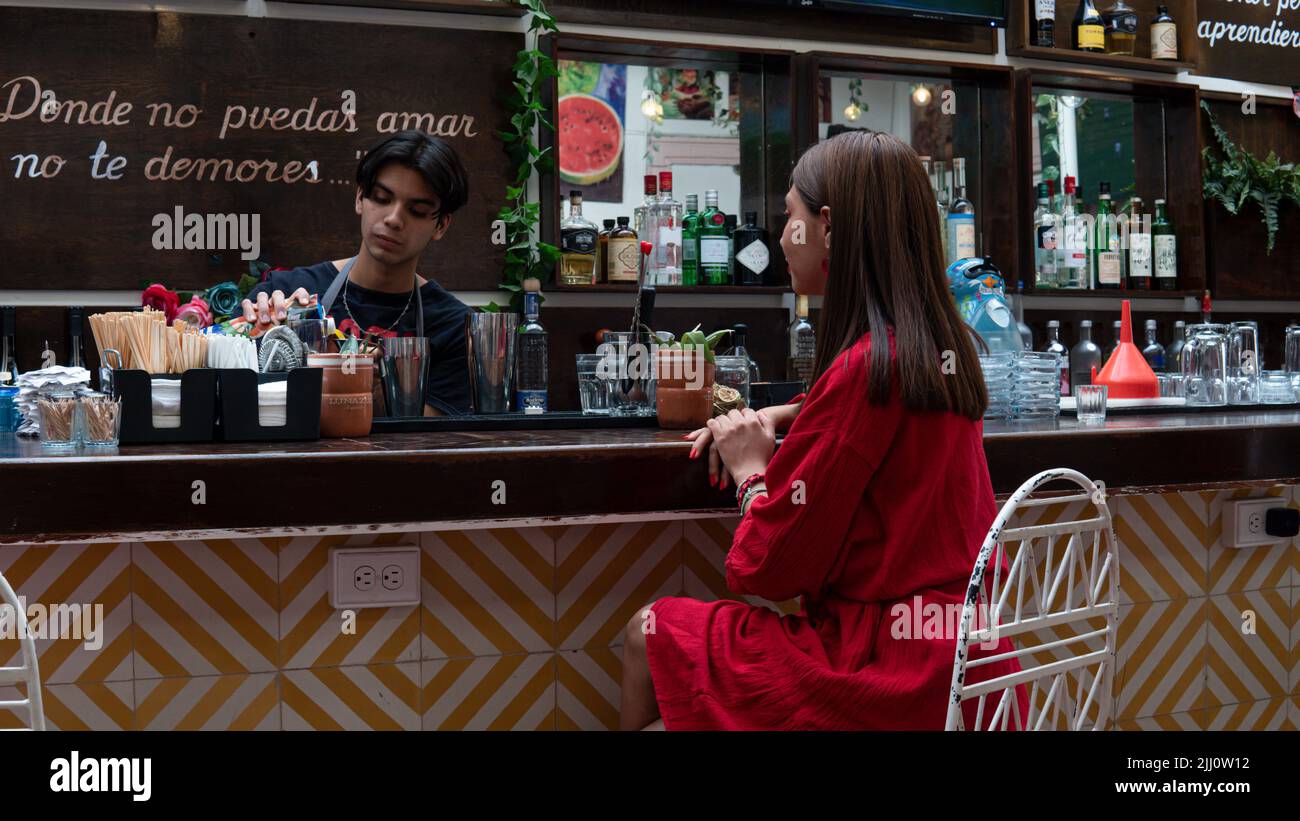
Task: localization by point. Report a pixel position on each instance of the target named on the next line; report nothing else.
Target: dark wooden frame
(993, 181)
(1174, 108)
(1020, 41)
(770, 108)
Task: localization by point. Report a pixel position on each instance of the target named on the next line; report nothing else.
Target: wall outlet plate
(374, 577)
(1243, 522)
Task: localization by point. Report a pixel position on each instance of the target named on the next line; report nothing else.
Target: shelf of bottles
(1144, 35)
(693, 249)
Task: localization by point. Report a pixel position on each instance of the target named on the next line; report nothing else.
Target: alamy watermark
(80, 622)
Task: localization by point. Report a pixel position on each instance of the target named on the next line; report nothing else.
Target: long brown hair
(887, 269)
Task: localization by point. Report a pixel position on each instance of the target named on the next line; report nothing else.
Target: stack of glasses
(997, 379)
(1036, 385)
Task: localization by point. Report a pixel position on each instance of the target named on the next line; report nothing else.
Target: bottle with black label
(752, 256)
(1045, 23)
(1121, 22)
(1088, 29)
(578, 245)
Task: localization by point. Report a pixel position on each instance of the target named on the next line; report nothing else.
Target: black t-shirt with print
(444, 324)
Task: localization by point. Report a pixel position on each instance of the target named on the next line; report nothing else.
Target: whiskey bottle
(624, 257)
(578, 239)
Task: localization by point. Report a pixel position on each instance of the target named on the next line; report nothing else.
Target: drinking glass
(58, 419)
(1292, 362)
(1090, 403)
(593, 389)
(314, 334)
(1243, 365)
(405, 371)
(102, 420)
(1275, 388)
(1204, 365)
(629, 373)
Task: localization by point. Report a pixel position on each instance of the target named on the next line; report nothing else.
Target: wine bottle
(1108, 261)
(1166, 250)
(1088, 29)
(1139, 247)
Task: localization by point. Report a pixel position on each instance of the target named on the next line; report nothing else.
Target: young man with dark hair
(408, 186)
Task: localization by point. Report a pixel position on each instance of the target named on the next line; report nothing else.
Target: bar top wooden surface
(499, 475)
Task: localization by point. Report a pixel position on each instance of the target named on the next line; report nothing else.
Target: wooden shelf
(1124, 293)
(1088, 58)
(619, 287)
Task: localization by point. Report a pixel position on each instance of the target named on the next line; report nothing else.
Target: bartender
(408, 186)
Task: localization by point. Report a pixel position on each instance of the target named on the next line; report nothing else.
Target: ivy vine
(526, 256)
(1240, 178)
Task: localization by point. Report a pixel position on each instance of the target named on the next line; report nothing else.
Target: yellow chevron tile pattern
(312, 633)
(369, 697)
(241, 702)
(55, 577)
(1173, 721)
(589, 684)
(1248, 655)
(102, 705)
(1164, 542)
(1161, 657)
(514, 692)
(1235, 569)
(487, 592)
(604, 573)
(705, 552)
(205, 608)
(1271, 714)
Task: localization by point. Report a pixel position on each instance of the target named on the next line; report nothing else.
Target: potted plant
(684, 371)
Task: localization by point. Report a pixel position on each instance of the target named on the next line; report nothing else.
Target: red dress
(891, 511)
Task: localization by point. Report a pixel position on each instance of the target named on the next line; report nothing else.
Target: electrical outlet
(1243, 522)
(355, 583)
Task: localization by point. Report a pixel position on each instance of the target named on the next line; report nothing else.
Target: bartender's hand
(267, 313)
(780, 418)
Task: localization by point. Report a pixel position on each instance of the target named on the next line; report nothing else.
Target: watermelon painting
(590, 139)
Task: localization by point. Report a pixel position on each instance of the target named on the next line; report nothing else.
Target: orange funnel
(1127, 374)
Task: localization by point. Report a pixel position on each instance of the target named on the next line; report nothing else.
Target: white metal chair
(29, 672)
(1065, 656)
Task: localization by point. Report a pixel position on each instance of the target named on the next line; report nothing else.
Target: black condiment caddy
(238, 420)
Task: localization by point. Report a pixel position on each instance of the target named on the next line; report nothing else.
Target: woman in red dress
(873, 509)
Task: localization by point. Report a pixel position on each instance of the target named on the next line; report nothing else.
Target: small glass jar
(59, 424)
(101, 420)
(733, 372)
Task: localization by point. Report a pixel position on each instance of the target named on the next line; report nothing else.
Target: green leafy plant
(526, 256)
(1239, 178)
(695, 339)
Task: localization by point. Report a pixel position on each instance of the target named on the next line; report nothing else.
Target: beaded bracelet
(750, 494)
(743, 486)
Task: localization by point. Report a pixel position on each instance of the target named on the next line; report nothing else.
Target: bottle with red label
(714, 243)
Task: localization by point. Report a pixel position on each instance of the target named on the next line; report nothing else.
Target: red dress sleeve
(791, 539)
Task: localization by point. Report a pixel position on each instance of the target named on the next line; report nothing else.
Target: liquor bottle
(730, 223)
(9, 347)
(739, 332)
(76, 336)
(1153, 351)
(624, 258)
(1084, 356)
(1114, 339)
(1072, 260)
(1018, 311)
(666, 216)
(940, 184)
(1166, 250)
(691, 241)
(530, 355)
(1108, 261)
(1045, 234)
(803, 345)
(641, 214)
(1054, 345)
(1174, 353)
(1121, 21)
(1139, 246)
(578, 245)
(713, 242)
(1164, 36)
(752, 256)
(1045, 23)
(961, 217)
(1088, 30)
(602, 251)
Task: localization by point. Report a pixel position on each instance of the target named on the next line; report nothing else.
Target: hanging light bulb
(852, 112)
(649, 105)
(921, 94)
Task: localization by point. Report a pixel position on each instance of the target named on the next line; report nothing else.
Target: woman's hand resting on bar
(775, 419)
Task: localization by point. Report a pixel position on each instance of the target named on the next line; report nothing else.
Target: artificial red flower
(159, 298)
(196, 312)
